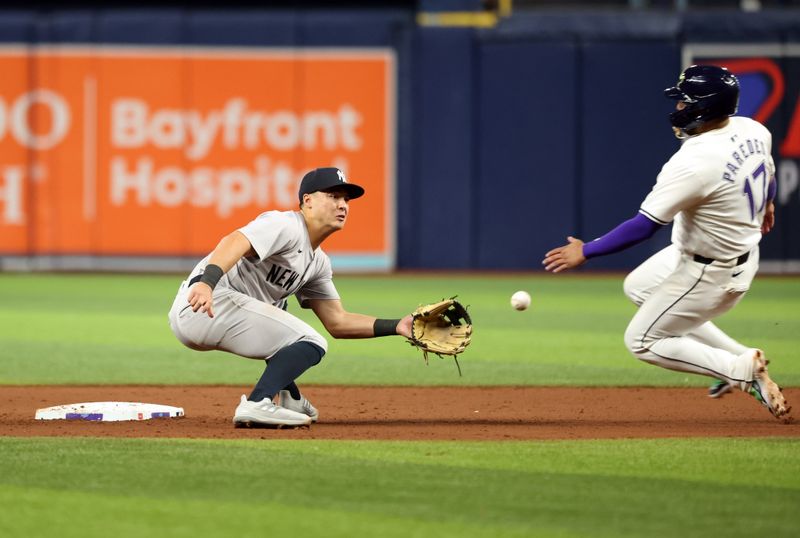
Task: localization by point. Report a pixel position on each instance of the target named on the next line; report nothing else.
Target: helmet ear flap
(689, 117)
(710, 92)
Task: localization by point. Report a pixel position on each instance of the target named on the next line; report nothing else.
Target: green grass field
(92, 329)
(113, 329)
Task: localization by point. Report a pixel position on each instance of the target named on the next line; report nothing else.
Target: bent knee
(318, 340)
(635, 341)
(633, 289)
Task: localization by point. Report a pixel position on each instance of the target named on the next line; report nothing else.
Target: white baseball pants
(677, 298)
(241, 325)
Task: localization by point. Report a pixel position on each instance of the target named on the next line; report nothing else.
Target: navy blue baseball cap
(323, 179)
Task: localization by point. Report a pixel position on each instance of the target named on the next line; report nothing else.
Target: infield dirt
(415, 413)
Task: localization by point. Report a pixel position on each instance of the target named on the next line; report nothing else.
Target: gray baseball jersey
(250, 299)
(285, 265)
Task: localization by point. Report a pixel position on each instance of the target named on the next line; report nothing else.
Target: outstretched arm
(575, 252)
(228, 251)
(343, 324)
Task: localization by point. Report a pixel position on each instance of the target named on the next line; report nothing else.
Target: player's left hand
(565, 257)
(404, 327)
(441, 328)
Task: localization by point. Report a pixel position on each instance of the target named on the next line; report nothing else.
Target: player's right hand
(565, 257)
(200, 298)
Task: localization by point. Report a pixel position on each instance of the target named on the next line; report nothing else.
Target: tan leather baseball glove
(443, 328)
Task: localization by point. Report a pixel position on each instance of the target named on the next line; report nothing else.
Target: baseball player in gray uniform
(235, 299)
(718, 190)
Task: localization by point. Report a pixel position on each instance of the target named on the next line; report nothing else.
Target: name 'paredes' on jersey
(743, 151)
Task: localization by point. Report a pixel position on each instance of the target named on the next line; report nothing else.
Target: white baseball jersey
(285, 265)
(715, 189)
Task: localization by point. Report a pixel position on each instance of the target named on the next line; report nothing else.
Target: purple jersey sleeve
(627, 234)
(772, 189)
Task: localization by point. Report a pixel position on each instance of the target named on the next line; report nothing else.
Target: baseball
(521, 300)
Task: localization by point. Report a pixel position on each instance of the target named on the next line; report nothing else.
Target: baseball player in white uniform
(718, 190)
(235, 299)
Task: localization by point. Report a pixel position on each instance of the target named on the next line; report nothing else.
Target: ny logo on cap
(341, 176)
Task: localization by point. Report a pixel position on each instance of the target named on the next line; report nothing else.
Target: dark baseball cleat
(719, 389)
(765, 390)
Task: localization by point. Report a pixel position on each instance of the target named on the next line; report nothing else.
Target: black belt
(198, 277)
(705, 261)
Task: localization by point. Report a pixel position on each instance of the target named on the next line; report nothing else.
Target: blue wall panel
(353, 29)
(626, 136)
(17, 26)
(69, 27)
(405, 204)
(783, 241)
(527, 129)
(145, 26)
(242, 28)
(443, 152)
(734, 26)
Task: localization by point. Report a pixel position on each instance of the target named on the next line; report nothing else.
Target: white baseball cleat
(266, 413)
(299, 406)
(765, 390)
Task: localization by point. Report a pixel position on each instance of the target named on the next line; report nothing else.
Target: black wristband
(211, 275)
(385, 327)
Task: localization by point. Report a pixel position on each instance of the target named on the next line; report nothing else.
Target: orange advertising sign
(162, 151)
